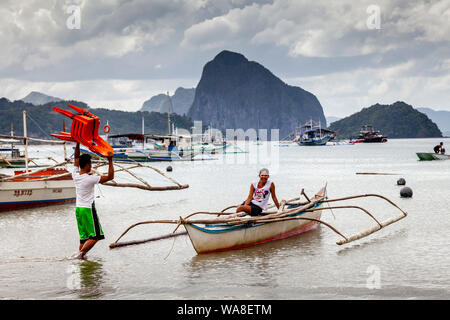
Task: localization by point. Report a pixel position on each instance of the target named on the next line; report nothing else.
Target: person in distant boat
(259, 195)
(89, 226)
(438, 148)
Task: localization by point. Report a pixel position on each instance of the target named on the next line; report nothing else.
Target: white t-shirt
(261, 196)
(84, 186)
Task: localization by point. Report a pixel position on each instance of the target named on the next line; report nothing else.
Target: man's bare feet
(81, 255)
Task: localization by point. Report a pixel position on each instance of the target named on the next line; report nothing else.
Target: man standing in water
(89, 226)
(259, 195)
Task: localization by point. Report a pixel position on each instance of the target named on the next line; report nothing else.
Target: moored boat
(211, 148)
(229, 230)
(135, 147)
(42, 187)
(222, 237)
(369, 135)
(36, 189)
(10, 156)
(312, 134)
(428, 156)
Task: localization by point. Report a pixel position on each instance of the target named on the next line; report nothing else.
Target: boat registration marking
(19, 193)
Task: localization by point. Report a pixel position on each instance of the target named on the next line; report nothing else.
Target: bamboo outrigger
(236, 231)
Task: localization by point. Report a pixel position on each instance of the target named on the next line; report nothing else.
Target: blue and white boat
(312, 134)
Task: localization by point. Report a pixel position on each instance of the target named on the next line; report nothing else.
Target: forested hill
(398, 120)
(43, 120)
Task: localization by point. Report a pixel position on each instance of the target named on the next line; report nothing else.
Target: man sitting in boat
(259, 195)
(89, 226)
(438, 148)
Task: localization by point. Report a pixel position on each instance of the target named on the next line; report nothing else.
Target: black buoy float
(401, 182)
(169, 169)
(406, 192)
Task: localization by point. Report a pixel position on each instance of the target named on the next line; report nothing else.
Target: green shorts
(88, 224)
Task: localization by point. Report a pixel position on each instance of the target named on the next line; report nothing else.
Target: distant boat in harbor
(312, 134)
(148, 147)
(369, 135)
(10, 156)
(428, 156)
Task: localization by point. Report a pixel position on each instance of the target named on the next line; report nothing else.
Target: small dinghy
(428, 156)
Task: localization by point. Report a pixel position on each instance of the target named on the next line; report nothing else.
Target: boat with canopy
(312, 134)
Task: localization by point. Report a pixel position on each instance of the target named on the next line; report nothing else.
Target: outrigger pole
(274, 216)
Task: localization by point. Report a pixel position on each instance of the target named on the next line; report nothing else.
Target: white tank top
(261, 196)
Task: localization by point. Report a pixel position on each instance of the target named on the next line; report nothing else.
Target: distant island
(234, 92)
(331, 119)
(397, 120)
(38, 98)
(180, 102)
(46, 121)
(440, 117)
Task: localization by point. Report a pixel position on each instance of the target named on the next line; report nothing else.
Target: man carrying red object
(89, 226)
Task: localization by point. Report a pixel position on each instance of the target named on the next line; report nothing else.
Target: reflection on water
(260, 263)
(307, 243)
(412, 255)
(86, 278)
(380, 239)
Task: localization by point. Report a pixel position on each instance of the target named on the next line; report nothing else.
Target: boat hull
(315, 142)
(210, 148)
(375, 140)
(145, 155)
(209, 239)
(16, 195)
(428, 156)
(12, 163)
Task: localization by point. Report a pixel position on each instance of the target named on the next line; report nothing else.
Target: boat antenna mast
(26, 140)
(143, 133)
(168, 111)
(12, 135)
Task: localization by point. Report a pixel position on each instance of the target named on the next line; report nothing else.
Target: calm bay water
(407, 260)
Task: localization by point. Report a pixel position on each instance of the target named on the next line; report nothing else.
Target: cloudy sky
(125, 51)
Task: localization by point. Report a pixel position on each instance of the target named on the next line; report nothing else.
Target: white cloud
(127, 95)
(322, 29)
(344, 93)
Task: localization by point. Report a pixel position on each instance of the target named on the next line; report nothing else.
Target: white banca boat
(229, 231)
(41, 187)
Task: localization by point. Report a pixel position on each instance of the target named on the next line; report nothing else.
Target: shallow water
(407, 260)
